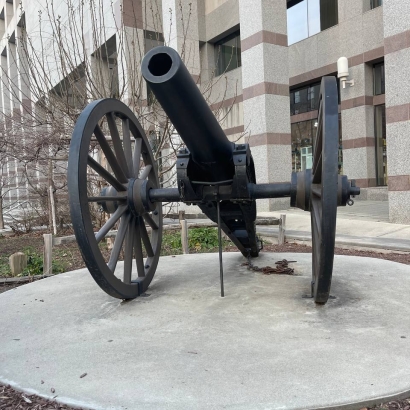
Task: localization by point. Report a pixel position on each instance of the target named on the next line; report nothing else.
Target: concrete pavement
(263, 346)
(364, 224)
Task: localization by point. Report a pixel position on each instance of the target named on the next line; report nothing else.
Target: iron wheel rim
(133, 224)
(323, 198)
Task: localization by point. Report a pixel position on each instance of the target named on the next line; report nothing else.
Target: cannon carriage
(213, 173)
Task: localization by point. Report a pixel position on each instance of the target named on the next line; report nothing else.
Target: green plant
(203, 238)
(4, 267)
(199, 240)
(35, 263)
(171, 243)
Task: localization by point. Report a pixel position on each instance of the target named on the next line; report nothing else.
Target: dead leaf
(26, 399)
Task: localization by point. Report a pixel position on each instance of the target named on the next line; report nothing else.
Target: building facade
(264, 60)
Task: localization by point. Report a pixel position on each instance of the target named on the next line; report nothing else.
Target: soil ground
(70, 257)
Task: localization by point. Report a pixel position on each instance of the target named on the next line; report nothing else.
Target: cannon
(109, 144)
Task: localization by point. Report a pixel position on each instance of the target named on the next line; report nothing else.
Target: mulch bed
(14, 400)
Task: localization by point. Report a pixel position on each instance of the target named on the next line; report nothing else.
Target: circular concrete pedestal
(181, 346)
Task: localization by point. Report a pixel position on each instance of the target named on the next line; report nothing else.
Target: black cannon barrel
(187, 109)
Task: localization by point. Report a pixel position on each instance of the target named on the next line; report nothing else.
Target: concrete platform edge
(78, 405)
(53, 398)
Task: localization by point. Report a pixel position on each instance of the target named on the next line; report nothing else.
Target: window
(309, 17)
(380, 143)
(228, 53)
(304, 99)
(302, 134)
(375, 3)
(378, 79)
(302, 150)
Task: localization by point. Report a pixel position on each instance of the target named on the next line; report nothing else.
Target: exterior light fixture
(343, 71)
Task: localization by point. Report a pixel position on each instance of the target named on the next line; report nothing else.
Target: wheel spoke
(116, 141)
(316, 191)
(127, 144)
(128, 252)
(316, 214)
(137, 156)
(145, 239)
(317, 148)
(145, 172)
(150, 221)
(112, 161)
(319, 118)
(317, 170)
(100, 170)
(110, 223)
(139, 259)
(119, 240)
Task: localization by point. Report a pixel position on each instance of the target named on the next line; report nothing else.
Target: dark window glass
(380, 143)
(304, 99)
(378, 79)
(313, 97)
(308, 17)
(328, 14)
(228, 53)
(302, 150)
(375, 3)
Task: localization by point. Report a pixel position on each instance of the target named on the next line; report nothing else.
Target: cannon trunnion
(111, 165)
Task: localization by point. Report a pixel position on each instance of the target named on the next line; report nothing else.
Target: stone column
(131, 52)
(357, 113)
(265, 81)
(180, 22)
(397, 55)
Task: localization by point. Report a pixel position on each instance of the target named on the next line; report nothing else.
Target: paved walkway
(263, 346)
(365, 224)
(377, 211)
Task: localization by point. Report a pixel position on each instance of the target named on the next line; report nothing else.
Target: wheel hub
(138, 197)
(108, 206)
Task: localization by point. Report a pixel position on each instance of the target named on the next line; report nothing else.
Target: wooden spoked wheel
(111, 167)
(323, 198)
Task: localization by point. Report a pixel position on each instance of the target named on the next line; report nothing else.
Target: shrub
(203, 238)
(35, 263)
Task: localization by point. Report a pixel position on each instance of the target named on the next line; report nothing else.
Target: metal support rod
(164, 195)
(221, 269)
(261, 191)
(256, 191)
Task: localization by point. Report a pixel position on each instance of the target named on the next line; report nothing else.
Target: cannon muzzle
(187, 109)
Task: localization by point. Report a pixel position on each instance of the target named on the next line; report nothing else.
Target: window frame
(375, 3)
(308, 103)
(309, 27)
(382, 78)
(220, 62)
